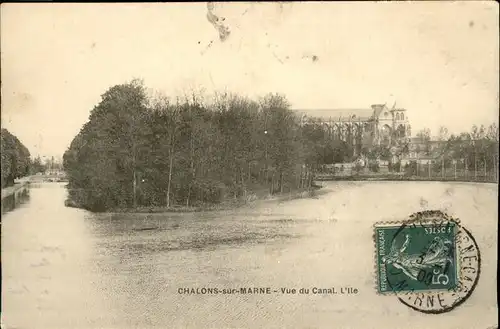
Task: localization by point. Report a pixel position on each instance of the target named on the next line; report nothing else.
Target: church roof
(343, 115)
(377, 109)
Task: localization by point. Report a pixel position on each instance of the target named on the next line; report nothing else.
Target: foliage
(37, 166)
(136, 151)
(477, 148)
(395, 167)
(374, 166)
(424, 140)
(15, 158)
(358, 167)
(411, 169)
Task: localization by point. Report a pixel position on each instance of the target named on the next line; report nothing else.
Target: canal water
(68, 268)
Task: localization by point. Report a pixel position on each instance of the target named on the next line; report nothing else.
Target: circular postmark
(431, 262)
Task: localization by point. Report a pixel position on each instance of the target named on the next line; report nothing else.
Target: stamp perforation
(428, 217)
(421, 299)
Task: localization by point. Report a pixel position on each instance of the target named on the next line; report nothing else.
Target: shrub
(374, 167)
(358, 167)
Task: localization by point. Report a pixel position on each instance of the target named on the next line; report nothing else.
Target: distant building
(377, 125)
(422, 150)
(54, 172)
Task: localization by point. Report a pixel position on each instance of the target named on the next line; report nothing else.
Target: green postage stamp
(418, 257)
(429, 261)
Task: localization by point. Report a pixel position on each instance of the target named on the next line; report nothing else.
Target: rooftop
(340, 114)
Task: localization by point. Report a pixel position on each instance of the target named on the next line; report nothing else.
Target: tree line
(142, 150)
(138, 150)
(476, 149)
(17, 161)
(15, 158)
(473, 149)
(40, 166)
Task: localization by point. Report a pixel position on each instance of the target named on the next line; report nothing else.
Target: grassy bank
(256, 196)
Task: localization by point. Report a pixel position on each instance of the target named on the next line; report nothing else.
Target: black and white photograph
(281, 165)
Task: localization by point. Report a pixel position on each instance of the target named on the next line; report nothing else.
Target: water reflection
(161, 233)
(69, 268)
(121, 269)
(15, 200)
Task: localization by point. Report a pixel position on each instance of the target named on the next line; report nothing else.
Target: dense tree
(15, 158)
(140, 151)
(137, 150)
(424, 140)
(477, 148)
(105, 158)
(37, 166)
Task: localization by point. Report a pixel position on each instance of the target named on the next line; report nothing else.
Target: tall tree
(15, 158)
(105, 157)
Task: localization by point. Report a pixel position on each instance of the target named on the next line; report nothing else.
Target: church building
(376, 125)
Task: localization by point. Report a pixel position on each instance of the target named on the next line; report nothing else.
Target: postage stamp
(429, 261)
(416, 257)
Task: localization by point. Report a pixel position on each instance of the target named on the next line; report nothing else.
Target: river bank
(14, 195)
(33, 179)
(11, 190)
(226, 205)
(400, 178)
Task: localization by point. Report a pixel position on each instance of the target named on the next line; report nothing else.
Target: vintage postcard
(249, 165)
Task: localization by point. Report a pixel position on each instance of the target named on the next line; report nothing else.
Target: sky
(439, 60)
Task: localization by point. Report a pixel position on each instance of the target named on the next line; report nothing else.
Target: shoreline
(228, 205)
(406, 179)
(11, 190)
(278, 197)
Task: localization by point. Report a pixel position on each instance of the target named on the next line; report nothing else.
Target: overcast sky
(437, 60)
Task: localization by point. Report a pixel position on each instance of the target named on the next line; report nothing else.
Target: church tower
(400, 124)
